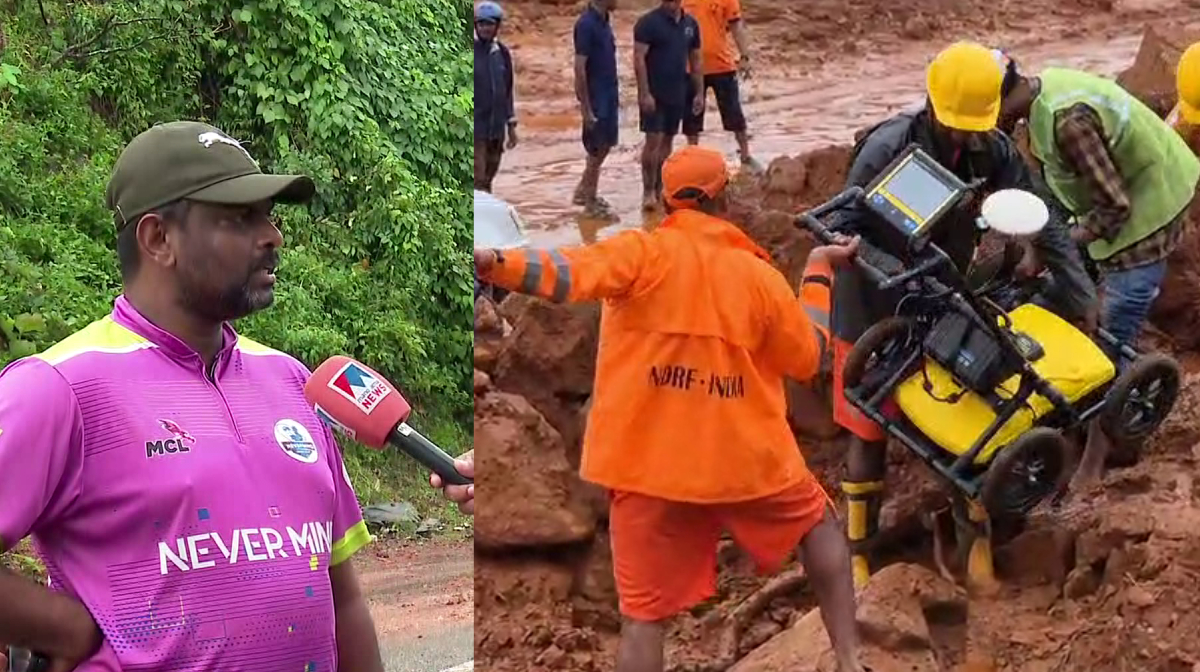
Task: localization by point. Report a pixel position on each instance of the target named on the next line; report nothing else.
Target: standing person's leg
(1128, 296)
(651, 166)
(673, 112)
(693, 124)
(802, 517)
(651, 124)
(481, 162)
(664, 561)
(733, 119)
(866, 458)
(598, 141)
(494, 153)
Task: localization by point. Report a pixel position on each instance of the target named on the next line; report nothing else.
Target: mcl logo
(181, 442)
(359, 386)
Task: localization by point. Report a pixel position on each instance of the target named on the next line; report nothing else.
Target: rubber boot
(863, 502)
(975, 542)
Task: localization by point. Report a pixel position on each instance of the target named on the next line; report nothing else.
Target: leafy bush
(371, 98)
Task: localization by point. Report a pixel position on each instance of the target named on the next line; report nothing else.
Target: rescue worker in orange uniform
(1185, 118)
(688, 428)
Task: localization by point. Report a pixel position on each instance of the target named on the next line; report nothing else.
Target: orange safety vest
(697, 332)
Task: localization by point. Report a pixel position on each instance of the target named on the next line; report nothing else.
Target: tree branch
(77, 51)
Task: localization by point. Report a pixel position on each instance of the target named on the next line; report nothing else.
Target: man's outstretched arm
(618, 266)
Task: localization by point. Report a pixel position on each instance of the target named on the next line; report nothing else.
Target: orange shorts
(844, 413)
(665, 553)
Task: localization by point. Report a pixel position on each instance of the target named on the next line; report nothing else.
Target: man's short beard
(233, 302)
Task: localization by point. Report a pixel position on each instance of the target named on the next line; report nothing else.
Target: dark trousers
(487, 162)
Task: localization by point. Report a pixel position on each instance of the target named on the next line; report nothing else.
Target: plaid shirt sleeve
(1079, 137)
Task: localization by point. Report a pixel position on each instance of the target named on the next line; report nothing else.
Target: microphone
(356, 401)
(24, 660)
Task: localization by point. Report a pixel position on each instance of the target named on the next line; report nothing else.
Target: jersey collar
(127, 316)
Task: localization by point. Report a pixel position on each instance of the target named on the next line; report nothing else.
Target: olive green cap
(196, 161)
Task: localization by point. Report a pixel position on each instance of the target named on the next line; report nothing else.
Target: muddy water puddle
(790, 113)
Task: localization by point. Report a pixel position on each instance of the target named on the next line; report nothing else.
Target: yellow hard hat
(963, 84)
(1187, 83)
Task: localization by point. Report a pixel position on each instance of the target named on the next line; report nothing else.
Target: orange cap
(694, 167)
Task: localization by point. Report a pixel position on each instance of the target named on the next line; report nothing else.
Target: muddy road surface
(420, 596)
(817, 79)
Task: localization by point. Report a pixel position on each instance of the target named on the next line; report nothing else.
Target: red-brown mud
(1109, 584)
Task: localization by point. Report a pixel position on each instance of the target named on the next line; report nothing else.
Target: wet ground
(421, 598)
(799, 99)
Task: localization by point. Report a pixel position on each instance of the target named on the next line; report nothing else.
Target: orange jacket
(697, 331)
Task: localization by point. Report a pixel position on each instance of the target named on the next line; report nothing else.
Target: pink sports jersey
(196, 517)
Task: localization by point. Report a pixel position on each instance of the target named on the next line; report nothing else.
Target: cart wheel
(879, 344)
(1025, 472)
(1141, 399)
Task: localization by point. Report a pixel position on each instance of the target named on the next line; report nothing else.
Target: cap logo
(208, 138)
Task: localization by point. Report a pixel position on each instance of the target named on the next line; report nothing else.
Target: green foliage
(370, 98)
(23, 560)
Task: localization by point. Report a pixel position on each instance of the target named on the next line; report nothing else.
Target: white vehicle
(497, 226)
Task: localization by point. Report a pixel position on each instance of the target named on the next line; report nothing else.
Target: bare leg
(641, 647)
(589, 183)
(665, 147)
(693, 139)
(826, 558)
(651, 170)
(743, 141)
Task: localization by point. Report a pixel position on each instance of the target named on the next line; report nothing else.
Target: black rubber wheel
(1140, 399)
(1025, 472)
(877, 345)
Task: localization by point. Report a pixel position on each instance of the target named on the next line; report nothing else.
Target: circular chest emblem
(295, 440)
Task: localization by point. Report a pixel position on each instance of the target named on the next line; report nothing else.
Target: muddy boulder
(594, 594)
(533, 494)
(482, 383)
(550, 359)
(892, 614)
(489, 334)
(793, 184)
(1152, 76)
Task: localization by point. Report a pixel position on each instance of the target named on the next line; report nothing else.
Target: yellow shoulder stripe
(103, 335)
(252, 347)
(355, 538)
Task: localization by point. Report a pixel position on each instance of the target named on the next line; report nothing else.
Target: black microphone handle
(427, 453)
(34, 662)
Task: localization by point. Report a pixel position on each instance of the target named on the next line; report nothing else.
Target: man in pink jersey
(192, 511)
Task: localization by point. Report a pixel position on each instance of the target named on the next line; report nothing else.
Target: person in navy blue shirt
(666, 45)
(495, 114)
(596, 90)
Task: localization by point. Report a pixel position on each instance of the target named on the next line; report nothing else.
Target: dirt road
(809, 91)
(421, 598)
